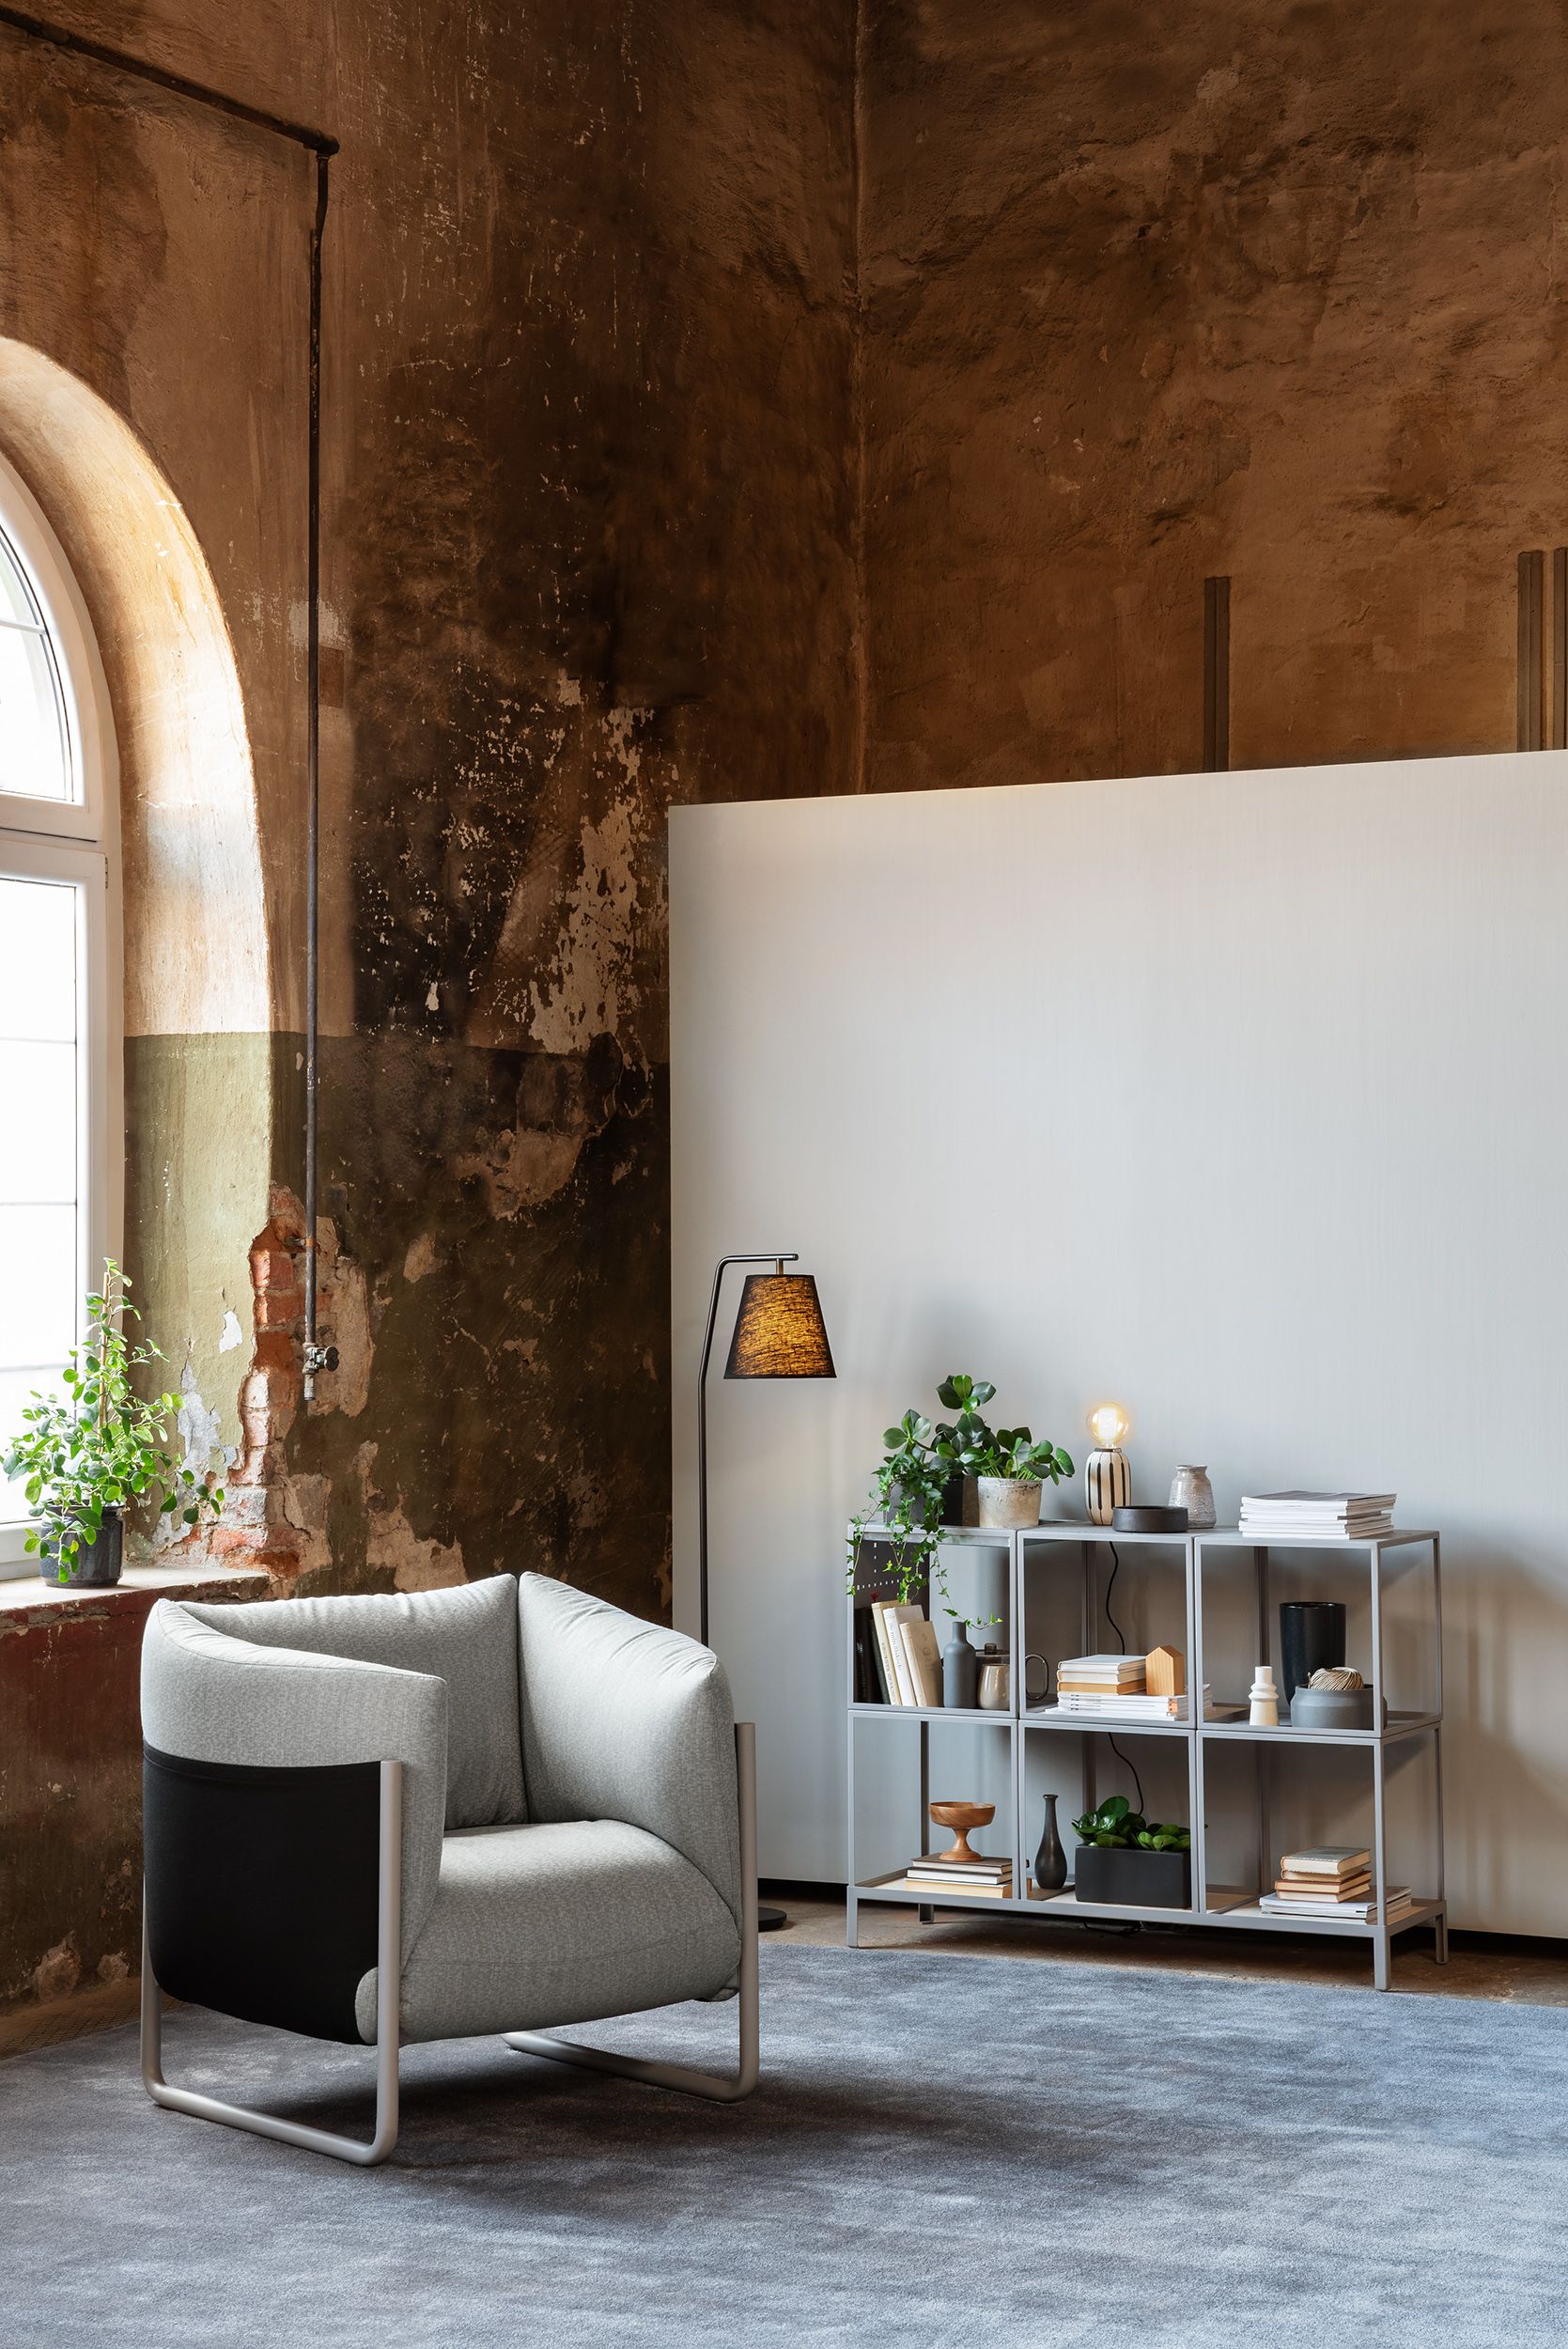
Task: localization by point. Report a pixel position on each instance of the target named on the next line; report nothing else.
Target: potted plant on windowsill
(1129, 1861)
(88, 1456)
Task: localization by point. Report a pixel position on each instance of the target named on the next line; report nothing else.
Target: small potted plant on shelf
(1010, 1469)
(1131, 1862)
(87, 1457)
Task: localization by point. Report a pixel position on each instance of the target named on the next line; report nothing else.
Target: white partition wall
(1241, 1098)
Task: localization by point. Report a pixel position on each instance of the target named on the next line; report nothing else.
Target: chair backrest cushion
(466, 1636)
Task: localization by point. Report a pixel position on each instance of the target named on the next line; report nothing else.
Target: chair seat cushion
(534, 1926)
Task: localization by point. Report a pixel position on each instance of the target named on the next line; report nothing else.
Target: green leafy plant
(974, 1448)
(102, 1447)
(906, 1498)
(1117, 1827)
(912, 1478)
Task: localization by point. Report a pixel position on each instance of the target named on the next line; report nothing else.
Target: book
(1304, 1889)
(925, 1659)
(868, 1675)
(1399, 1904)
(1115, 1670)
(921, 1888)
(1295, 1504)
(1132, 1707)
(892, 1617)
(884, 1653)
(1327, 1860)
(977, 1875)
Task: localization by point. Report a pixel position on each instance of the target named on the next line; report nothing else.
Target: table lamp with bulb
(1107, 1478)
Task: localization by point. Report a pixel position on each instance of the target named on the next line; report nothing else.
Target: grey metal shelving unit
(1215, 1905)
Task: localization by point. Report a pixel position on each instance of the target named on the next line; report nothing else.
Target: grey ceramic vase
(1050, 1860)
(1191, 1490)
(960, 1671)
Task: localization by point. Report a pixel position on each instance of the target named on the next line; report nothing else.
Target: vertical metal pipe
(1531, 603)
(313, 774)
(1217, 675)
(1560, 649)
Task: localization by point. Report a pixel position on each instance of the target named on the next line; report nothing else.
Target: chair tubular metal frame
(389, 1932)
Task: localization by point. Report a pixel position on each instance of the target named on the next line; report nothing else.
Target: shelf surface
(1000, 1718)
(1231, 1537)
(1073, 1530)
(1399, 1726)
(1116, 1725)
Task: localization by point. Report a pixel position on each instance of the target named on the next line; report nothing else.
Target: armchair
(503, 1807)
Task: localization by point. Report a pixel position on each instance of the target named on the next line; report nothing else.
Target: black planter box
(1133, 1879)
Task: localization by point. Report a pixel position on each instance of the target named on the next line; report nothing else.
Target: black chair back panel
(261, 1888)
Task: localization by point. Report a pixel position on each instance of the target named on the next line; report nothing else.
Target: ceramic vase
(1191, 1490)
(960, 1671)
(1050, 1860)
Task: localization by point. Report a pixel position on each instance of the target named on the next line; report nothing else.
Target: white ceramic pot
(1191, 1490)
(1008, 1501)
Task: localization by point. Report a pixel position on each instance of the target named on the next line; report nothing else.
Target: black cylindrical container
(1311, 1635)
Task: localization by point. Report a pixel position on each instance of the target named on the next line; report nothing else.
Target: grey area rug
(944, 2149)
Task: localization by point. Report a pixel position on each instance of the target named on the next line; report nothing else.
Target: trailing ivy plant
(906, 1498)
(102, 1447)
(1117, 1827)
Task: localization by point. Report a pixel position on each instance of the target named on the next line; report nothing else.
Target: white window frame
(75, 842)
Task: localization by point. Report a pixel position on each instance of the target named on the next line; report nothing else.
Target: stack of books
(1102, 1676)
(992, 1879)
(1331, 1880)
(1316, 1517)
(906, 1656)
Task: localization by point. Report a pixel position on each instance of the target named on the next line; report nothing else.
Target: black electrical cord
(1125, 1760)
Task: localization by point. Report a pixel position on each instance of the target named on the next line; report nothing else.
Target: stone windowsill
(31, 1595)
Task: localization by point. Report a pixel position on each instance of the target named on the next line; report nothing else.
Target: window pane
(37, 1124)
(33, 740)
(37, 960)
(37, 1285)
(17, 1388)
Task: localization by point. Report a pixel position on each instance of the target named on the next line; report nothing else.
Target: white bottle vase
(1263, 1700)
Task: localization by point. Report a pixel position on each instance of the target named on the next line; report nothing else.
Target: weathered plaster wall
(588, 550)
(1150, 294)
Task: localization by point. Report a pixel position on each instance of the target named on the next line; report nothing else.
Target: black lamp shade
(779, 1331)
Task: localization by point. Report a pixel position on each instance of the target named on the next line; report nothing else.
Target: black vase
(1050, 1860)
(1311, 1636)
(97, 1564)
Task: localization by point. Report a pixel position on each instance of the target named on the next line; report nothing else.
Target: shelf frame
(1214, 1906)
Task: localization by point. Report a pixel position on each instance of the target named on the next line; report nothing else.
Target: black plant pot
(96, 1565)
(1133, 1879)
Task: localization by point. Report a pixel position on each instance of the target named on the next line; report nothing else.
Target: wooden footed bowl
(961, 1816)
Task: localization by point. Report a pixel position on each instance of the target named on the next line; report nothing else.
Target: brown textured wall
(587, 551)
(1155, 293)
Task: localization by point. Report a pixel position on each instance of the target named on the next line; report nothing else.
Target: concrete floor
(1535, 1977)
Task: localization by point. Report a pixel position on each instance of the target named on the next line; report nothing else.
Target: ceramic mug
(993, 1694)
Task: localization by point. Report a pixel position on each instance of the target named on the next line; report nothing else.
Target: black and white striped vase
(1106, 1484)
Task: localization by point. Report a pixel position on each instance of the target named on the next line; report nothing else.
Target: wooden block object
(1165, 1670)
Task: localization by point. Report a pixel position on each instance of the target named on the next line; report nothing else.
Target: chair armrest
(623, 1720)
(207, 1696)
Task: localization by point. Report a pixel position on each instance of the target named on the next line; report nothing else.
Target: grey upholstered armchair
(499, 1808)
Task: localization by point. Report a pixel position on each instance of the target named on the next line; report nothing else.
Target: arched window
(61, 1144)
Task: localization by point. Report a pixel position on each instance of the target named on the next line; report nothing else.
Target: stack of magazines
(1296, 1516)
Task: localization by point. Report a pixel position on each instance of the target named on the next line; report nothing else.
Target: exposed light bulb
(1108, 1423)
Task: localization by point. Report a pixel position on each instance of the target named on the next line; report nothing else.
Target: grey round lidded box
(1332, 1708)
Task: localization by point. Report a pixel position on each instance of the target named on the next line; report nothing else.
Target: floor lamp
(779, 1333)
